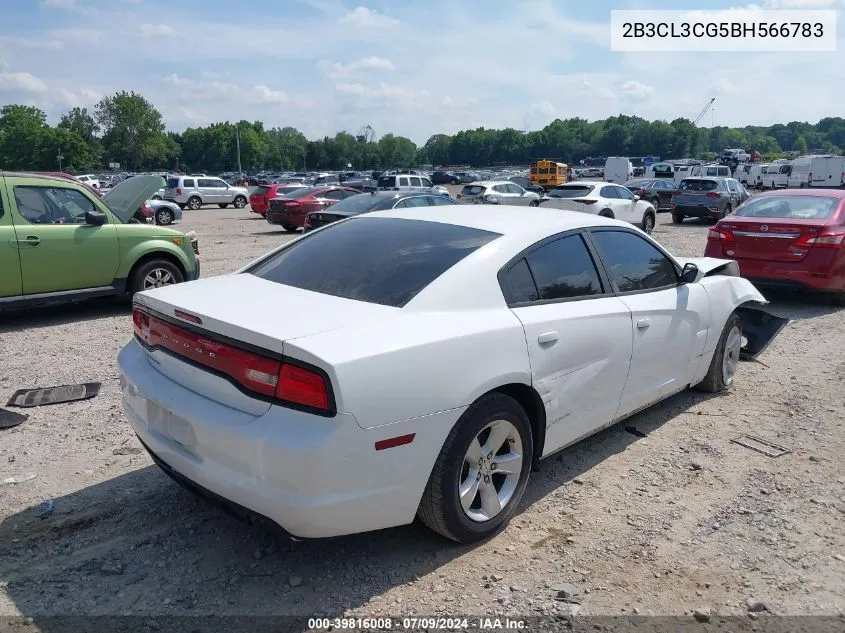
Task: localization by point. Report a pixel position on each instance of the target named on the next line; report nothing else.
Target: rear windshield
(340, 260)
(172, 183)
(472, 190)
(359, 203)
(260, 191)
(791, 207)
(637, 184)
(571, 191)
(386, 181)
(296, 193)
(698, 185)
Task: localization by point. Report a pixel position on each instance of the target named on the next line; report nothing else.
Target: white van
(710, 171)
(618, 169)
(741, 172)
(755, 175)
(818, 171)
(660, 170)
(767, 178)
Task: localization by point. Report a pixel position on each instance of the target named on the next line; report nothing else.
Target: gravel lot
(678, 520)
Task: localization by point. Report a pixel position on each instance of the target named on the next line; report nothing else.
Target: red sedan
(787, 239)
(259, 199)
(290, 210)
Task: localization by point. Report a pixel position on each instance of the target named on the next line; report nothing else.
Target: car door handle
(643, 324)
(30, 240)
(548, 338)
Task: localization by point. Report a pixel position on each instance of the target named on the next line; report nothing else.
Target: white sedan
(604, 199)
(338, 388)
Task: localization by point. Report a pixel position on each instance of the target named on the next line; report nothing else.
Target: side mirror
(95, 218)
(689, 274)
(636, 198)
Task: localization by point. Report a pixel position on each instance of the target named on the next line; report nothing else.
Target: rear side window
(609, 192)
(563, 269)
(340, 260)
(188, 183)
(633, 263)
(792, 207)
(472, 190)
(518, 284)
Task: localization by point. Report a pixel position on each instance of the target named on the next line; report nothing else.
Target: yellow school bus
(548, 173)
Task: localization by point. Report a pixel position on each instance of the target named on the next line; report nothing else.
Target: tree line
(127, 129)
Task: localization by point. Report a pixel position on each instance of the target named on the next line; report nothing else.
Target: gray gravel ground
(679, 520)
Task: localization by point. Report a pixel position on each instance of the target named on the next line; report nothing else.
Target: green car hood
(125, 199)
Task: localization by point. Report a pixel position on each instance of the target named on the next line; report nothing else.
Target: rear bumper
(316, 477)
(807, 275)
(696, 211)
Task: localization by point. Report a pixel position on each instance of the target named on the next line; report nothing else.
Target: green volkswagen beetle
(59, 242)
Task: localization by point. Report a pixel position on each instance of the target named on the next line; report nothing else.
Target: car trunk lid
(772, 239)
(257, 316)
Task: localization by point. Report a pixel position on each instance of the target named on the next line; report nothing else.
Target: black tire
(677, 218)
(239, 202)
(194, 203)
(290, 228)
(648, 222)
(714, 381)
(454, 181)
(137, 279)
(223, 205)
(181, 206)
(838, 298)
(440, 508)
(534, 203)
(606, 213)
(164, 217)
(728, 210)
(655, 202)
(155, 197)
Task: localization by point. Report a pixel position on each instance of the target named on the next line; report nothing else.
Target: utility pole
(60, 158)
(238, 140)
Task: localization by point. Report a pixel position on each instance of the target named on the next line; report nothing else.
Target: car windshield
(791, 207)
(698, 185)
(360, 203)
(571, 191)
(340, 260)
(472, 190)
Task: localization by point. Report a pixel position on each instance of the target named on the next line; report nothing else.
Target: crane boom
(703, 111)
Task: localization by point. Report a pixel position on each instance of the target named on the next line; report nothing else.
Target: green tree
(133, 130)
(78, 155)
(80, 121)
(22, 133)
(800, 145)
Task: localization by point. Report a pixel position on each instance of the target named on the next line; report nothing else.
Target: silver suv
(409, 182)
(497, 192)
(193, 192)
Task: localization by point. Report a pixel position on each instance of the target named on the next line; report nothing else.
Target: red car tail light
(585, 201)
(302, 386)
(718, 233)
(828, 239)
(639, 192)
(252, 371)
(178, 191)
(713, 194)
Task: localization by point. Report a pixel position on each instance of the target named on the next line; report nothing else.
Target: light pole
(238, 141)
(59, 157)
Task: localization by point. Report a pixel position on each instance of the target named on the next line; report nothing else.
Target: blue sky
(412, 68)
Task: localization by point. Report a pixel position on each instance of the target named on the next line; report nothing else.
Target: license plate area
(172, 427)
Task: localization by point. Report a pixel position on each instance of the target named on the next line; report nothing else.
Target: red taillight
(269, 377)
(810, 177)
(178, 191)
(584, 200)
(717, 233)
(713, 194)
(829, 239)
(639, 192)
(676, 193)
(302, 386)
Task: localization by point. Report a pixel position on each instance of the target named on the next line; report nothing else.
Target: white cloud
(156, 30)
(83, 97)
(59, 4)
(271, 96)
(636, 90)
(24, 82)
(382, 90)
(335, 69)
(802, 4)
(364, 17)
